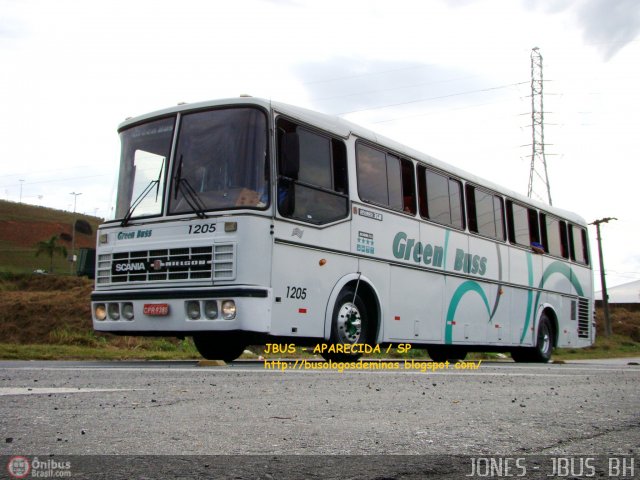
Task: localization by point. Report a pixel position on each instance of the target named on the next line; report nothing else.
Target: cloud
(608, 25)
(342, 85)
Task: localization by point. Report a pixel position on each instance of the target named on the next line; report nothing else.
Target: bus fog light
(193, 309)
(127, 311)
(211, 309)
(100, 311)
(228, 309)
(114, 311)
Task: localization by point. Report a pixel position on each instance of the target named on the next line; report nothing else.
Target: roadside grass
(616, 346)
(79, 352)
(71, 344)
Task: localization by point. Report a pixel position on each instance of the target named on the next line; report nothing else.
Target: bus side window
(518, 224)
(440, 198)
(312, 175)
(485, 213)
(534, 226)
(522, 224)
(408, 186)
(578, 245)
(554, 236)
(385, 179)
(564, 241)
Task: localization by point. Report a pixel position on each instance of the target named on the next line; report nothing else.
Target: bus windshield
(145, 154)
(220, 161)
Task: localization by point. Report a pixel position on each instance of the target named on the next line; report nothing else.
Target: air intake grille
(164, 265)
(584, 318)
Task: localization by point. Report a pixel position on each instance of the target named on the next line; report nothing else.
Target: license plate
(156, 309)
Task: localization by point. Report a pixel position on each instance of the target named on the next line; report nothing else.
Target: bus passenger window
(408, 187)
(385, 179)
(522, 224)
(578, 244)
(440, 198)
(554, 236)
(485, 213)
(312, 175)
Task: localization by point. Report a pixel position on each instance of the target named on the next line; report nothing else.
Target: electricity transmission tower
(538, 173)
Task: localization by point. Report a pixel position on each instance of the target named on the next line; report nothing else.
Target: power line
(55, 181)
(368, 74)
(437, 112)
(469, 92)
(40, 172)
(413, 85)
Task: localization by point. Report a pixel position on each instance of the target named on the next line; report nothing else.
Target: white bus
(246, 221)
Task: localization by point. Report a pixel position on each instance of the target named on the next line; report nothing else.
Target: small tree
(50, 248)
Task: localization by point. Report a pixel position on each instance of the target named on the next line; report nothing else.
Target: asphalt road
(182, 408)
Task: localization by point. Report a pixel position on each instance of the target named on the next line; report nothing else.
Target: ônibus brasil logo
(19, 467)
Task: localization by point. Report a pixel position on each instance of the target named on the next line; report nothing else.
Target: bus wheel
(349, 326)
(218, 346)
(444, 353)
(541, 352)
(544, 343)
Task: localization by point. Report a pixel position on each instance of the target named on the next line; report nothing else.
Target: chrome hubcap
(545, 340)
(349, 323)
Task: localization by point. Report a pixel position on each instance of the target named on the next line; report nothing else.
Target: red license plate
(156, 309)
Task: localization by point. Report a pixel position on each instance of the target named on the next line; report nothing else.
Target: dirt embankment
(34, 306)
(29, 233)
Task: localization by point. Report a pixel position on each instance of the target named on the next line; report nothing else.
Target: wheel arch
(366, 290)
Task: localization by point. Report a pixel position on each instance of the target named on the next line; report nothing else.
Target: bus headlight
(193, 309)
(228, 309)
(114, 311)
(211, 309)
(100, 311)
(127, 311)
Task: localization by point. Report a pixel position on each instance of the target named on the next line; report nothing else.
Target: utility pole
(21, 182)
(72, 260)
(75, 197)
(538, 159)
(608, 331)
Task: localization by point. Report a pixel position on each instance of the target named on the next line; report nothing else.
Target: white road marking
(46, 391)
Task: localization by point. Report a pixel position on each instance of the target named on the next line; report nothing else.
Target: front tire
(219, 346)
(350, 325)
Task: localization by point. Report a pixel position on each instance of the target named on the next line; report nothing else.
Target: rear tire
(350, 325)
(541, 352)
(219, 346)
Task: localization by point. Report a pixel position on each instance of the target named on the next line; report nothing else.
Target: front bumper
(166, 311)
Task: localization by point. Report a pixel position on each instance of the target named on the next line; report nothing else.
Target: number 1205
(297, 292)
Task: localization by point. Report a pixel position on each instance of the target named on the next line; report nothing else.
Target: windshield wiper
(188, 192)
(143, 195)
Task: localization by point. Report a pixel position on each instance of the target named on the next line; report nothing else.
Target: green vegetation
(78, 352)
(613, 347)
(50, 248)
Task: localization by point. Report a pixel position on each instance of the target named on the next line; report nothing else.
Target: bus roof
(344, 128)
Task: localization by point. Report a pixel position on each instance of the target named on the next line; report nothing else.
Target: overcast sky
(450, 78)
